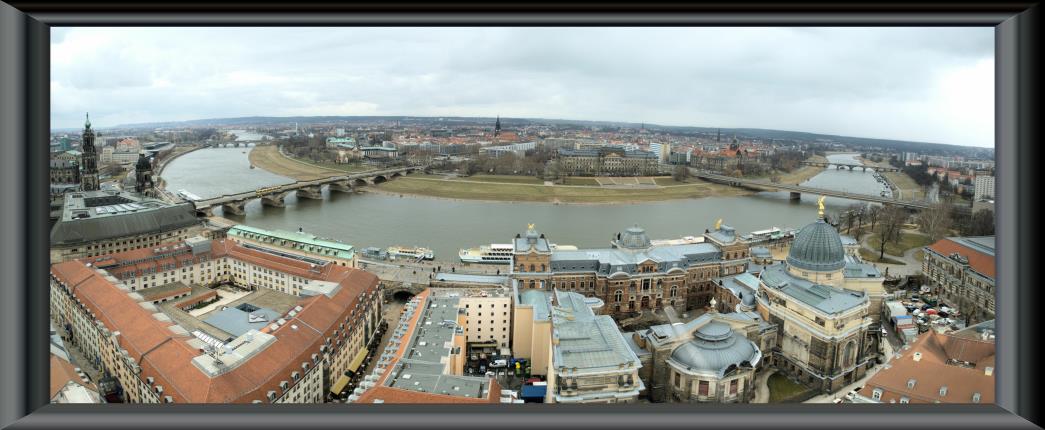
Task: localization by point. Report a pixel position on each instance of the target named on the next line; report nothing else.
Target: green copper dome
(817, 247)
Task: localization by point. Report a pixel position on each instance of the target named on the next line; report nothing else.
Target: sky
(921, 84)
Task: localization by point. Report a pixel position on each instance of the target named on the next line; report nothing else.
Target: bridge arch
(359, 182)
(379, 179)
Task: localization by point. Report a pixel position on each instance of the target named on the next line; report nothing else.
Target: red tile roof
(62, 372)
(981, 262)
(167, 356)
(932, 371)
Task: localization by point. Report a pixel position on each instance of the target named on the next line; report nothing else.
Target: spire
(88, 123)
(497, 126)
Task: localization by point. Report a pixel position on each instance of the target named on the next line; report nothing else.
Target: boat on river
(498, 253)
(410, 252)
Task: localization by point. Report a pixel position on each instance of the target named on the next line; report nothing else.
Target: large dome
(714, 348)
(817, 247)
(634, 238)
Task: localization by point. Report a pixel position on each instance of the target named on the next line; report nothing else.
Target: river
(382, 220)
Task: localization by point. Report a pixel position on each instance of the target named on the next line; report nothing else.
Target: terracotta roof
(932, 372)
(62, 372)
(980, 261)
(399, 395)
(167, 356)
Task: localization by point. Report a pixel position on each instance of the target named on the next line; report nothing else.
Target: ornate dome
(634, 238)
(817, 247)
(714, 348)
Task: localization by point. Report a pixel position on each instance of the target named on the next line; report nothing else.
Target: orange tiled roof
(167, 357)
(62, 371)
(981, 262)
(932, 372)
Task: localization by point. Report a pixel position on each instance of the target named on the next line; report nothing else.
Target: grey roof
(531, 238)
(633, 238)
(715, 348)
(611, 260)
(824, 298)
(596, 152)
(99, 215)
(856, 268)
(421, 367)
(236, 321)
(539, 300)
(742, 286)
(817, 247)
(57, 163)
(471, 279)
(984, 244)
(760, 251)
(724, 234)
(847, 240)
(587, 342)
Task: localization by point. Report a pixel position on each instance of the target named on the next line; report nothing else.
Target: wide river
(382, 220)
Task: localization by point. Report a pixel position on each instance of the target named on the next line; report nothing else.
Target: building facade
(607, 161)
(961, 271)
(297, 243)
(163, 354)
(983, 187)
(103, 222)
(634, 274)
(826, 337)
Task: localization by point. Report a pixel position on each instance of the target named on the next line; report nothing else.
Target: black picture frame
(24, 130)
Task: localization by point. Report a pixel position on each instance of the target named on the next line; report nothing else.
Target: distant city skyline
(916, 84)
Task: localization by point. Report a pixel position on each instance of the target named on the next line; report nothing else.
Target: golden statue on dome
(529, 226)
(820, 202)
(718, 223)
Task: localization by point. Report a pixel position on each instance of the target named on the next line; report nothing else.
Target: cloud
(928, 84)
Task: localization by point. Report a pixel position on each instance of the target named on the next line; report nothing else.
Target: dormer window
(976, 397)
(911, 382)
(876, 394)
(943, 391)
(905, 399)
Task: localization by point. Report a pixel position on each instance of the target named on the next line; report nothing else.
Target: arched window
(542, 268)
(531, 268)
(618, 295)
(522, 268)
(532, 283)
(674, 290)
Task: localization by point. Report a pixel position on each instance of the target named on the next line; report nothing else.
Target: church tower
(143, 176)
(89, 159)
(497, 127)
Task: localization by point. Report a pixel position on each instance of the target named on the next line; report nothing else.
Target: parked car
(852, 394)
(838, 401)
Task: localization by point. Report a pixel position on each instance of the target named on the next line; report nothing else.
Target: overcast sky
(921, 84)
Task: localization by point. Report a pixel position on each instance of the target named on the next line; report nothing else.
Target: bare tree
(680, 174)
(892, 220)
(935, 221)
(874, 213)
(982, 223)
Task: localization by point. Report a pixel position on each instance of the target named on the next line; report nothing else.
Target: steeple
(497, 126)
(143, 175)
(88, 159)
(87, 124)
(718, 136)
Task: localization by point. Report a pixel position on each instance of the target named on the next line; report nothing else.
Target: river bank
(909, 190)
(482, 188)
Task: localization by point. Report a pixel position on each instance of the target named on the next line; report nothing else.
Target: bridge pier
(274, 200)
(206, 212)
(795, 196)
(344, 187)
(850, 167)
(235, 208)
(313, 192)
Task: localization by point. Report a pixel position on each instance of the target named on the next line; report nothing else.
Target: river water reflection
(373, 219)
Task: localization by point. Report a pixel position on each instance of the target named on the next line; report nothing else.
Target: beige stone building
(95, 223)
(607, 161)
(285, 338)
(961, 270)
(583, 355)
(711, 359)
(635, 274)
(826, 336)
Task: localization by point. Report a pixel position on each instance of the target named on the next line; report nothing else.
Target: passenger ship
(498, 253)
(415, 253)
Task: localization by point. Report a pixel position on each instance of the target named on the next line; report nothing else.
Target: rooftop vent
(917, 356)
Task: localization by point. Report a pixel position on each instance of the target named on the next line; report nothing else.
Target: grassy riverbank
(486, 188)
(909, 190)
(267, 157)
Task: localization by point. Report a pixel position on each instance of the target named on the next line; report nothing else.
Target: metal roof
(824, 298)
(817, 247)
(99, 215)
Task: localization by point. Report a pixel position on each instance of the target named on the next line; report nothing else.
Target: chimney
(917, 356)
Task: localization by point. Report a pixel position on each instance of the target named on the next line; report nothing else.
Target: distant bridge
(273, 196)
(797, 190)
(230, 144)
(841, 166)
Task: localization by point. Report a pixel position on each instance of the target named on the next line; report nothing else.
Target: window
(877, 394)
(943, 391)
(976, 397)
(733, 387)
(911, 382)
(905, 399)
(702, 388)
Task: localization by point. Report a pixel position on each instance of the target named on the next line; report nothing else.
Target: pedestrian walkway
(762, 386)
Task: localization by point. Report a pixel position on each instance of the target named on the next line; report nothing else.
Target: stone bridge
(840, 166)
(797, 190)
(274, 196)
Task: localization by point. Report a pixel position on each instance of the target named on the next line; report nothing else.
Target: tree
(874, 213)
(982, 223)
(892, 220)
(680, 174)
(935, 221)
